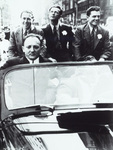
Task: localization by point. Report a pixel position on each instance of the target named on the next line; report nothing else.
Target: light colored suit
(16, 40)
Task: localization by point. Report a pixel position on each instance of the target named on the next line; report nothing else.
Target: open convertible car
(57, 106)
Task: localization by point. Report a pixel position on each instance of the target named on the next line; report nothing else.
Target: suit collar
(86, 34)
(24, 60)
(59, 25)
(19, 35)
(35, 61)
(48, 29)
(99, 32)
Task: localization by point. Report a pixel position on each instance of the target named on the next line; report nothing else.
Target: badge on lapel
(64, 32)
(99, 36)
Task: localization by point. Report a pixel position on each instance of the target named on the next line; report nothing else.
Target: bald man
(32, 48)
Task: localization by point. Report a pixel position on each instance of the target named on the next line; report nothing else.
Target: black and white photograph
(56, 74)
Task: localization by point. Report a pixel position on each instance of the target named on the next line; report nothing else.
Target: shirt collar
(57, 26)
(36, 61)
(30, 29)
(91, 28)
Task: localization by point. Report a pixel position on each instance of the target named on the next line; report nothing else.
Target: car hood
(45, 133)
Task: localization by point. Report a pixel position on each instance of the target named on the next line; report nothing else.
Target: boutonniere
(64, 32)
(99, 36)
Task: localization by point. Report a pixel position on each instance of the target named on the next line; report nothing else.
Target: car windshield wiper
(45, 110)
(38, 111)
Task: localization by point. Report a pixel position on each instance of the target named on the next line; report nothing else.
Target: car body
(57, 106)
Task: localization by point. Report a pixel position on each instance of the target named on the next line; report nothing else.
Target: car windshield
(58, 84)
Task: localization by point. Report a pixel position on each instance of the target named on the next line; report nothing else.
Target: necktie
(56, 39)
(55, 34)
(92, 39)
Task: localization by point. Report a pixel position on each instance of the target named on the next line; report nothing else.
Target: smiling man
(17, 36)
(32, 49)
(91, 40)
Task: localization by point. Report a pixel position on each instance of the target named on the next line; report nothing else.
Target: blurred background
(74, 11)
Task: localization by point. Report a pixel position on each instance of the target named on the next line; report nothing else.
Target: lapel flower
(99, 36)
(64, 32)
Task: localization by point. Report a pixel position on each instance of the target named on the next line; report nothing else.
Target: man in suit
(91, 40)
(32, 48)
(59, 37)
(17, 36)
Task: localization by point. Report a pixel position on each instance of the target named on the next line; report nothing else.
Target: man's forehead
(95, 13)
(26, 14)
(32, 40)
(55, 9)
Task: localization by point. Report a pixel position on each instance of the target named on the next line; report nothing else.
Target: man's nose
(32, 49)
(25, 20)
(97, 17)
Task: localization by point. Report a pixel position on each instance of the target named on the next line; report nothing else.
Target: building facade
(4, 14)
(75, 10)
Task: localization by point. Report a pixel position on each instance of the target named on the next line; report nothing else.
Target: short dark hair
(27, 11)
(56, 6)
(38, 36)
(92, 8)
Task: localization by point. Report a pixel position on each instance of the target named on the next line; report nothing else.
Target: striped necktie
(92, 37)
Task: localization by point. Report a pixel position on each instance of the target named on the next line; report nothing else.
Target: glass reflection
(58, 85)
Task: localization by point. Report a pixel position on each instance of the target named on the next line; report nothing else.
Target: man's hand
(101, 59)
(90, 58)
(93, 60)
(52, 59)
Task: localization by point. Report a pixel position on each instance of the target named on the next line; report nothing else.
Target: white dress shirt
(36, 61)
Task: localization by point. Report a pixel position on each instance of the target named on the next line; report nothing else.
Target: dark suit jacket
(66, 40)
(19, 60)
(16, 40)
(102, 47)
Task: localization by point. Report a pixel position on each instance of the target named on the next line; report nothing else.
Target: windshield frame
(4, 110)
